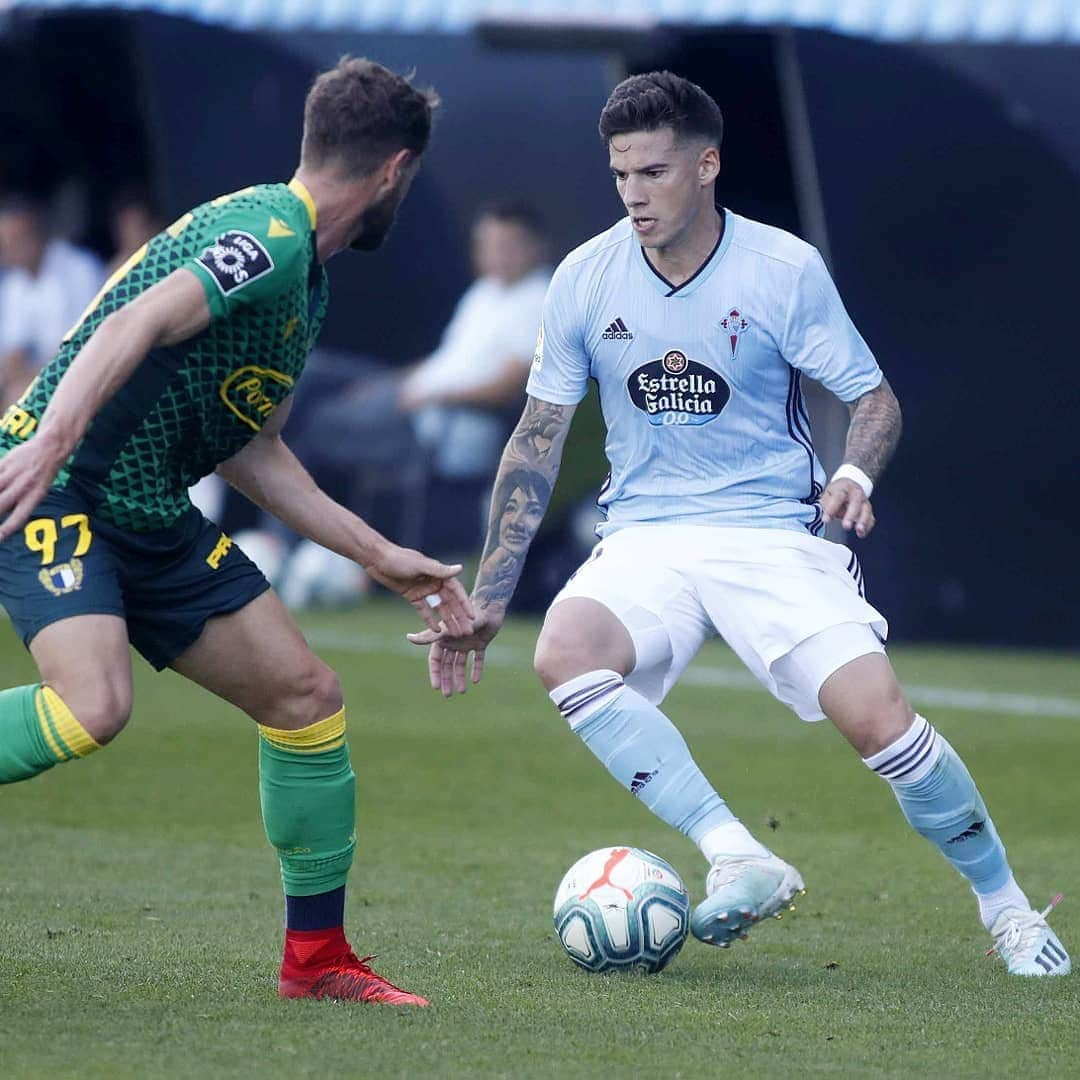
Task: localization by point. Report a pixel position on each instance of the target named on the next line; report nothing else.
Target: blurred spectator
(458, 395)
(133, 220)
(449, 414)
(452, 404)
(47, 285)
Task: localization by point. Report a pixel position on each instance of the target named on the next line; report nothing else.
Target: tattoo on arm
(874, 430)
(527, 473)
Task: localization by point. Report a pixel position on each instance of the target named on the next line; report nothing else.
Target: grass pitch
(140, 907)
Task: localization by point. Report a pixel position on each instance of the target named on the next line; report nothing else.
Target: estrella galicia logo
(236, 259)
(676, 391)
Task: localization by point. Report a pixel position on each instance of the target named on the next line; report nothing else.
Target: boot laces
(1021, 931)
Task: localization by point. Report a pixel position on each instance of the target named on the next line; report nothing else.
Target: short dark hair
(514, 212)
(359, 113)
(661, 99)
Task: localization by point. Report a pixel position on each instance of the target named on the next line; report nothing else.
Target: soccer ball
(622, 908)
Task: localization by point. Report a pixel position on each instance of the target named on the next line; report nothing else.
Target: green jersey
(191, 406)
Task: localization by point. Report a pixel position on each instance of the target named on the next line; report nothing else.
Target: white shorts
(769, 593)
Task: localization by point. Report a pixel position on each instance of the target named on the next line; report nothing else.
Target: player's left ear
(708, 165)
(398, 166)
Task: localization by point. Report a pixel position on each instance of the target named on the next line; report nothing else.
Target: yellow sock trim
(327, 734)
(70, 733)
(46, 727)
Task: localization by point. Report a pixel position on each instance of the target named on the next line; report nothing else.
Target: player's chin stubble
(375, 223)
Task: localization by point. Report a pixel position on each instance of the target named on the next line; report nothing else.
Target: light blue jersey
(700, 385)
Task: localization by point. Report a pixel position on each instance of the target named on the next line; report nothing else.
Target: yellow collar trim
(302, 193)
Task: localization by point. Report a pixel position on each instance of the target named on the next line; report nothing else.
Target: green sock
(308, 793)
(37, 731)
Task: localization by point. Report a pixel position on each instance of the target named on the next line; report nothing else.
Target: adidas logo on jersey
(617, 332)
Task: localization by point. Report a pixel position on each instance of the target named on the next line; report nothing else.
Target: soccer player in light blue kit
(698, 326)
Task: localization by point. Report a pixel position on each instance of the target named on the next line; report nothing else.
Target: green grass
(140, 909)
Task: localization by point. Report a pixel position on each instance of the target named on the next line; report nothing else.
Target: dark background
(949, 179)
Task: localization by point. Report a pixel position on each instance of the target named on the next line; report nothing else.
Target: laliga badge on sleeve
(236, 259)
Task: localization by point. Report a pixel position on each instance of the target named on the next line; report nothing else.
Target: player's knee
(102, 708)
(578, 637)
(886, 717)
(581, 635)
(549, 660)
(315, 695)
(561, 656)
(326, 692)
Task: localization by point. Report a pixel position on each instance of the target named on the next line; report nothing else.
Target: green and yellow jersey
(189, 407)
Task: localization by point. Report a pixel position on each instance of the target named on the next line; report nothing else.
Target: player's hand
(417, 578)
(844, 500)
(26, 473)
(448, 654)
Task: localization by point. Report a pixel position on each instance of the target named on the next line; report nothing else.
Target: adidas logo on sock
(617, 332)
(969, 833)
(640, 780)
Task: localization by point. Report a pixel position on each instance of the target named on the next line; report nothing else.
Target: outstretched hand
(430, 586)
(448, 654)
(845, 501)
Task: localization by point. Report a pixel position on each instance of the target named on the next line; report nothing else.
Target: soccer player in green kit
(185, 363)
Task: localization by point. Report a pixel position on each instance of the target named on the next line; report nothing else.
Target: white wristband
(853, 472)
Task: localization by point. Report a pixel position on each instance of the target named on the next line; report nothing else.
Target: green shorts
(165, 584)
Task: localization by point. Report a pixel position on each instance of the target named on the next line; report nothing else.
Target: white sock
(731, 838)
(911, 757)
(991, 905)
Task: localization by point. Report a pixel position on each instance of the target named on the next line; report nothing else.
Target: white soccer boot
(741, 890)
(1027, 944)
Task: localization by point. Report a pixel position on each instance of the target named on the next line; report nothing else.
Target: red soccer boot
(320, 964)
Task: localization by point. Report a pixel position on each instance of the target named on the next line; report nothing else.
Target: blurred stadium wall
(938, 166)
